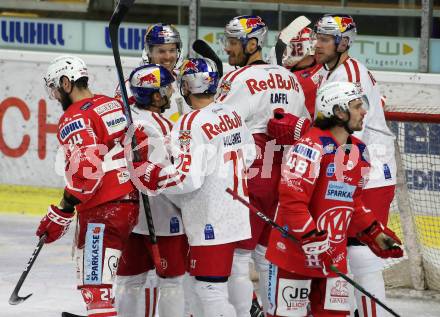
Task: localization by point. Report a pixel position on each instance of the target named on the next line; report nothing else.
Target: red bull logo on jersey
(344, 23)
(226, 123)
(274, 81)
(184, 137)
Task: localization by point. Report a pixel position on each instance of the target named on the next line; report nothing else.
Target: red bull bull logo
(253, 22)
(148, 79)
(345, 23)
(190, 65)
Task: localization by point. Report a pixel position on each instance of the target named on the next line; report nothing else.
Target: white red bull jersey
(255, 91)
(375, 133)
(178, 106)
(213, 150)
(166, 216)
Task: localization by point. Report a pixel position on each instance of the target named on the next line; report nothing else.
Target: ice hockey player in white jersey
(335, 34)
(136, 295)
(163, 46)
(254, 91)
(214, 151)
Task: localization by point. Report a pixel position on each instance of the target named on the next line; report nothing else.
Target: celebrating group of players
(302, 139)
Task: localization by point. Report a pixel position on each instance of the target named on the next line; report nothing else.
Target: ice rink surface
(52, 278)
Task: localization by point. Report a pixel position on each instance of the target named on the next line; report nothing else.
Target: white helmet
(299, 47)
(337, 94)
(198, 76)
(72, 67)
(246, 27)
(337, 25)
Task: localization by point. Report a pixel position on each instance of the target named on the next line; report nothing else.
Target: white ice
(52, 279)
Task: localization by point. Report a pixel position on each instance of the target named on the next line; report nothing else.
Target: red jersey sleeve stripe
(191, 119)
(159, 122)
(229, 74)
(170, 125)
(356, 70)
(348, 70)
(182, 123)
(236, 73)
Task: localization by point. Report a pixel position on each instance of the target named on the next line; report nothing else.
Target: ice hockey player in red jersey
(90, 132)
(214, 149)
(256, 90)
(136, 294)
(320, 195)
(335, 35)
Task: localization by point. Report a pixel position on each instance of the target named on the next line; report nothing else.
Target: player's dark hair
(327, 123)
(82, 83)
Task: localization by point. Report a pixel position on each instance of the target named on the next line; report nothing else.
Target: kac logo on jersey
(93, 253)
(71, 127)
(339, 191)
(335, 221)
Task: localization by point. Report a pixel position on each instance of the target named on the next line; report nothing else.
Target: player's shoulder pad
(363, 149)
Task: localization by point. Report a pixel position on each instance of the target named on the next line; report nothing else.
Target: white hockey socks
(213, 298)
(171, 301)
(188, 289)
(239, 284)
(262, 267)
(367, 269)
(373, 283)
(136, 295)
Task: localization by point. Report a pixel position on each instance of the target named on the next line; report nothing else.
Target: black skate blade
(66, 314)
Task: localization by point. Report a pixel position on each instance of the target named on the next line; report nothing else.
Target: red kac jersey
(91, 132)
(320, 190)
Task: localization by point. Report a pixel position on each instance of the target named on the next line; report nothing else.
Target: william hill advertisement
(381, 53)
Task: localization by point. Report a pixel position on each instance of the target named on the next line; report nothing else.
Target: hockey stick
(66, 314)
(287, 234)
(202, 48)
(15, 299)
(287, 34)
(118, 15)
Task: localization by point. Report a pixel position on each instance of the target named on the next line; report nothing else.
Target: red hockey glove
(382, 241)
(315, 248)
(55, 223)
(286, 128)
(148, 174)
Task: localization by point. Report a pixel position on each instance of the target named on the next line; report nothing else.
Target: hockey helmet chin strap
(246, 54)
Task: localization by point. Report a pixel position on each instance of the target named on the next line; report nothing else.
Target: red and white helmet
(299, 47)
